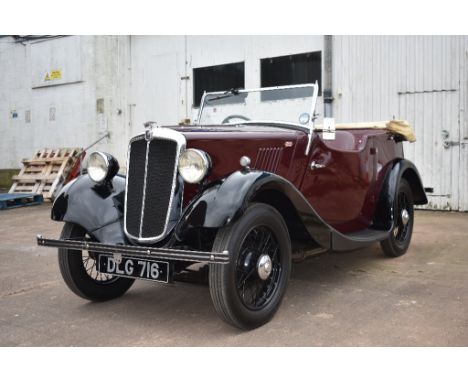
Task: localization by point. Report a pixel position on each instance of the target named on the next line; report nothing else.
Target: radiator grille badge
(149, 130)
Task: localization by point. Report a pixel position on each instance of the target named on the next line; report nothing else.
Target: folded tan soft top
(402, 128)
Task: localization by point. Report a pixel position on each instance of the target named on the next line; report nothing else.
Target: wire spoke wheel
(253, 289)
(89, 260)
(400, 237)
(79, 270)
(248, 290)
(401, 228)
(89, 263)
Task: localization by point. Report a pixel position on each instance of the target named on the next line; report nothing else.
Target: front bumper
(149, 253)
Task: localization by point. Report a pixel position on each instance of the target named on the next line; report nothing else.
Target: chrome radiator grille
(151, 176)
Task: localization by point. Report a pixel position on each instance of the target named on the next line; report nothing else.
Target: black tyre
(79, 271)
(399, 240)
(248, 291)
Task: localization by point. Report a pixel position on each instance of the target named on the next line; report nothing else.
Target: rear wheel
(79, 270)
(248, 291)
(399, 240)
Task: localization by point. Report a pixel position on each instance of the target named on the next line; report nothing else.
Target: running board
(358, 239)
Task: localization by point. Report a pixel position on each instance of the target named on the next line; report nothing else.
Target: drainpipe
(186, 79)
(328, 76)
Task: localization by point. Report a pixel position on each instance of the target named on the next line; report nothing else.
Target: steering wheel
(229, 117)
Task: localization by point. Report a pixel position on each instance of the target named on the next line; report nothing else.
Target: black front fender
(225, 201)
(98, 208)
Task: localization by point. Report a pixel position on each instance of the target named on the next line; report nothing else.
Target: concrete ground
(358, 298)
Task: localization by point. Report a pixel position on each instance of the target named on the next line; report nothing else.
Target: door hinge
(448, 144)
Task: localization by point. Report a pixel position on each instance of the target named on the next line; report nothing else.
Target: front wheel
(248, 290)
(79, 271)
(399, 240)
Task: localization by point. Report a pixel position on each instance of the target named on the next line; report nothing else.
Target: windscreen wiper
(227, 94)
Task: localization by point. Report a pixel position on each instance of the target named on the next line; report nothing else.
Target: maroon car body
(241, 198)
(344, 192)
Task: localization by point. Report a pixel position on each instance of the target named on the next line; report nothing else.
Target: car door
(338, 177)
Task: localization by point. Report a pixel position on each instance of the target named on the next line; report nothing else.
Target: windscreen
(282, 104)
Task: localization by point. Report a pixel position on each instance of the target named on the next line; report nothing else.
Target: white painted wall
(114, 83)
(156, 92)
(159, 63)
(91, 68)
(71, 127)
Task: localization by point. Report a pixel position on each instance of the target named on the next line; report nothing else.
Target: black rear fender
(397, 170)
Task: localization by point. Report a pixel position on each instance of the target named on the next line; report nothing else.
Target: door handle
(314, 165)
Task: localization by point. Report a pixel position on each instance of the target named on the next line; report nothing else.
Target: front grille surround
(160, 133)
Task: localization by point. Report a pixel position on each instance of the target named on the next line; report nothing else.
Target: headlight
(194, 165)
(102, 166)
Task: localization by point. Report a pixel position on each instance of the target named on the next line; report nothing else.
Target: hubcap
(402, 228)
(264, 267)
(405, 217)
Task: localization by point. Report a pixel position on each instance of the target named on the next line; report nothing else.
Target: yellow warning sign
(54, 75)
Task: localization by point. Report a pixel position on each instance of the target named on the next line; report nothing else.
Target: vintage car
(239, 193)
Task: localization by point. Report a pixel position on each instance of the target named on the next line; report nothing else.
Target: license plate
(134, 268)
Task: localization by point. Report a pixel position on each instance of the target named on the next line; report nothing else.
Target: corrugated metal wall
(421, 79)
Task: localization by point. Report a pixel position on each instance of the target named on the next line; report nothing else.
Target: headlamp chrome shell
(101, 167)
(194, 165)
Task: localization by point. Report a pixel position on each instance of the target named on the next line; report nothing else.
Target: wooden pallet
(45, 172)
(19, 200)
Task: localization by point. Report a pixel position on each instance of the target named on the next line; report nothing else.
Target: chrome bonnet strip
(143, 198)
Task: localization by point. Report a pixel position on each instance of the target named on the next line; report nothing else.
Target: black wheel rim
(401, 230)
(254, 292)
